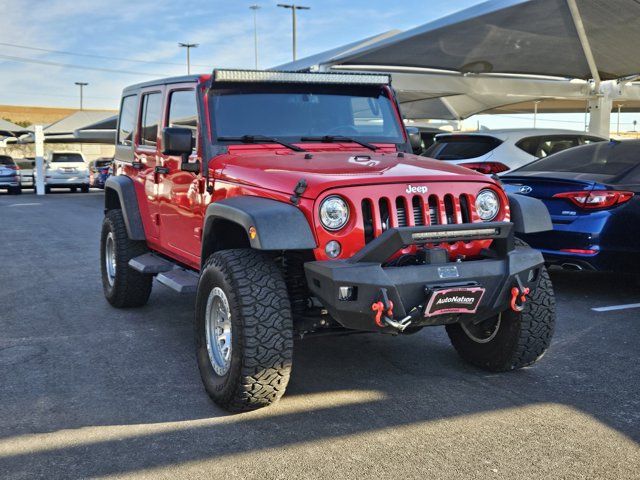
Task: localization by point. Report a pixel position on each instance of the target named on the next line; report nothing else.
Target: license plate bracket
(454, 300)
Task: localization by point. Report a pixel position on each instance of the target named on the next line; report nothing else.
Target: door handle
(162, 170)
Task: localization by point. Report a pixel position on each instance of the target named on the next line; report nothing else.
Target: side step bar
(182, 281)
(151, 264)
(167, 273)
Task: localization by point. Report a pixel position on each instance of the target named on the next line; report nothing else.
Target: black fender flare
(529, 215)
(279, 225)
(125, 190)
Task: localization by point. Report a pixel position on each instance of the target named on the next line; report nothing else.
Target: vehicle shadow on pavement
(155, 413)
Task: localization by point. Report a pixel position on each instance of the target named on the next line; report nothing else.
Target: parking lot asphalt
(90, 391)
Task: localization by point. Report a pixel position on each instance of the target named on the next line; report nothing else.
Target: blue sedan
(593, 195)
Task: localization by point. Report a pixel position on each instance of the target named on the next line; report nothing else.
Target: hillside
(35, 115)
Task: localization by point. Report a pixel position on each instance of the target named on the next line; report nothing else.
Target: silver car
(9, 175)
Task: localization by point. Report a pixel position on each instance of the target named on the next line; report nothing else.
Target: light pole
(81, 85)
(255, 9)
(188, 46)
(535, 113)
(293, 8)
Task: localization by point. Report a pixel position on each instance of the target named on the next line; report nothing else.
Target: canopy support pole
(39, 144)
(453, 112)
(599, 106)
(584, 41)
(600, 115)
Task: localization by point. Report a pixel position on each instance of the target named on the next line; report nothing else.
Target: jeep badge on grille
(412, 189)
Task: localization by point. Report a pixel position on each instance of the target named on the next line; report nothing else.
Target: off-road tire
(130, 288)
(522, 338)
(261, 326)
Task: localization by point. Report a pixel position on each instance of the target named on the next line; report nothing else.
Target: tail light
(487, 168)
(13, 167)
(579, 251)
(596, 198)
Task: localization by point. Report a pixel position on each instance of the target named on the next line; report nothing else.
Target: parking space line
(23, 204)
(616, 307)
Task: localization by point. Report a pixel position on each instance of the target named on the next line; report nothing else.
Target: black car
(593, 195)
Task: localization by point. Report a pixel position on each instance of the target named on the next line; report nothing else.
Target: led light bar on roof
(300, 77)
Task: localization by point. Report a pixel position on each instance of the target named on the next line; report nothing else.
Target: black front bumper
(409, 286)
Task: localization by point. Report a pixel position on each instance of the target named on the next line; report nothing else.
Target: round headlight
(334, 213)
(487, 205)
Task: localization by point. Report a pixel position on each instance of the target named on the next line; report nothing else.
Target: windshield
(290, 112)
(603, 158)
(67, 157)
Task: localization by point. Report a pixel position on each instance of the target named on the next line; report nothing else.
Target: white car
(498, 151)
(66, 170)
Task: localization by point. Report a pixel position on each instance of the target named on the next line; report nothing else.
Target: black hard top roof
(163, 81)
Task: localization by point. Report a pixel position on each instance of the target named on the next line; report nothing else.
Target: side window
(551, 145)
(529, 145)
(126, 122)
(150, 118)
(183, 111)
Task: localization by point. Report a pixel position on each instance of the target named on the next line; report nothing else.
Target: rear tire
(511, 340)
(123, 286)
(244, 330)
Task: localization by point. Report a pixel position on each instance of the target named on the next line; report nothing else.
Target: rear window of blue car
(603, 158)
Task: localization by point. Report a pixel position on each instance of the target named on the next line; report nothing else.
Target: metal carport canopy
(535, 37)
(497, 52)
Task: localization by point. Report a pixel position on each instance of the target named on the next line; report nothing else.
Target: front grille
(380, 214)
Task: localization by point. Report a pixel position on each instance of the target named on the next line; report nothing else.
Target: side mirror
(415, 139)
(177, 141)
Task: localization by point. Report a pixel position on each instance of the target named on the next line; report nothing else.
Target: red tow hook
(519, 296)
(379, 308)
(384, 306)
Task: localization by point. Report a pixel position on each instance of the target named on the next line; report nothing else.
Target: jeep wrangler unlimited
(290, 204)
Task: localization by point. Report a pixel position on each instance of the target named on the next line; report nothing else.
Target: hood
(281, 170)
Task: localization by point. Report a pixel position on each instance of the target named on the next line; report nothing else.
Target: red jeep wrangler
(291, 204)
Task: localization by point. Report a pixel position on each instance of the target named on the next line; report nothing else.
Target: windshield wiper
(339, 138)
(261, 138)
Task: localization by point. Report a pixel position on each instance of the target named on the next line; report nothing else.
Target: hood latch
(299, 189)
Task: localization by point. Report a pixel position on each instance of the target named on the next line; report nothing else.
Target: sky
(149, 31)
(129, 41)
